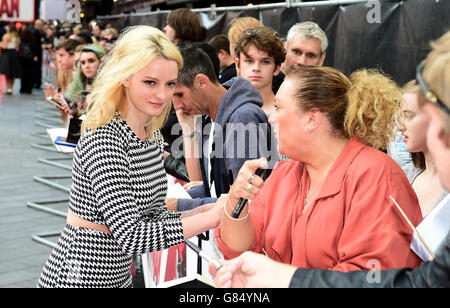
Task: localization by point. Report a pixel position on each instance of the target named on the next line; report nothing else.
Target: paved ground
(21, 258)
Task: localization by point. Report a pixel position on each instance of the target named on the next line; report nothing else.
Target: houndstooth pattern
(118, 181)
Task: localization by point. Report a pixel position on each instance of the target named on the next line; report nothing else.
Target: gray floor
(21, 258)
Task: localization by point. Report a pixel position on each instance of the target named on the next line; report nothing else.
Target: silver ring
(250, 178)
(249, 187)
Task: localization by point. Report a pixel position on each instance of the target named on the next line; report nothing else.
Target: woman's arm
(197, 210)
(239, 234)
(104, 160)
(201, 219)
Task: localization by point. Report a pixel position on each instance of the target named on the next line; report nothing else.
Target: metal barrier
(48, 73)
(43, 118)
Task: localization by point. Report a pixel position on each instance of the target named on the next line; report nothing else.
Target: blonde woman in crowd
(119, 183)
(9, 60)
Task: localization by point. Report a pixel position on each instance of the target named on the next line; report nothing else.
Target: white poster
(61, 10)
(17, 10)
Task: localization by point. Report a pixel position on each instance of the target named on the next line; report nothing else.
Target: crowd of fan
(326, 203)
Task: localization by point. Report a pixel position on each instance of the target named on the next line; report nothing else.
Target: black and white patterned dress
(118, 181)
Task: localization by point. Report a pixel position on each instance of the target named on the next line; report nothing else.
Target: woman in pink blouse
(329, 207)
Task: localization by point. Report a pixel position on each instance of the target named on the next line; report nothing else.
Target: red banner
(17, 10)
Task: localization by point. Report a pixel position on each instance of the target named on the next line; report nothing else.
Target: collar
(333, 182)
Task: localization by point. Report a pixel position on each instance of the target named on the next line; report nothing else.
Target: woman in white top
(421, 172)
(9, 60)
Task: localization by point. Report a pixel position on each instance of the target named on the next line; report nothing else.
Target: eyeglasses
(430, 96)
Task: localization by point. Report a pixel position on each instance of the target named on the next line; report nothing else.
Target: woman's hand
(171, 204)
(247, 184)
(65, 108)
(80, 107)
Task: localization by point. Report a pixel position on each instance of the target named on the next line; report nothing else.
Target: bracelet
(228, 215)
(189, 135)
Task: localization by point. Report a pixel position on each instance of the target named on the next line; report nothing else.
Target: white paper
(433, 229)
(54, 133)
(177, 191)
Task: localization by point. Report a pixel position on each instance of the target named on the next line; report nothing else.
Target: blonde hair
(134, 49)
(238, 25)
(437, 74)
(374, 104)
(64, 79)
(364, 106)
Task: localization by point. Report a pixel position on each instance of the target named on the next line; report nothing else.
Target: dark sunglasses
(430, 96)
(251, 32)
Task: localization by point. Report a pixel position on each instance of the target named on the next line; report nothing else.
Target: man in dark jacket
(240, 128)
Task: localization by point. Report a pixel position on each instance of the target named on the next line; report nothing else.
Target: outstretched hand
(252, 270)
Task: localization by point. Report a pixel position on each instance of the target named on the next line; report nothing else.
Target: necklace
(321, 179)
(309, 189)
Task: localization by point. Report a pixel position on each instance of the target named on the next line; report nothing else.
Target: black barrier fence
(391, 35)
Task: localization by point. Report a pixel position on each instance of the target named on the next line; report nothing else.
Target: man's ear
(238, 68)
(201, 81)
(322, 58)
(222, 53)
(277, 70)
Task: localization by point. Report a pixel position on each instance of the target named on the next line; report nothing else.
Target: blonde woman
(116, 207)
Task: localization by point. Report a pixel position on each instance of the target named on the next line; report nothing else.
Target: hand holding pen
(246, 186)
